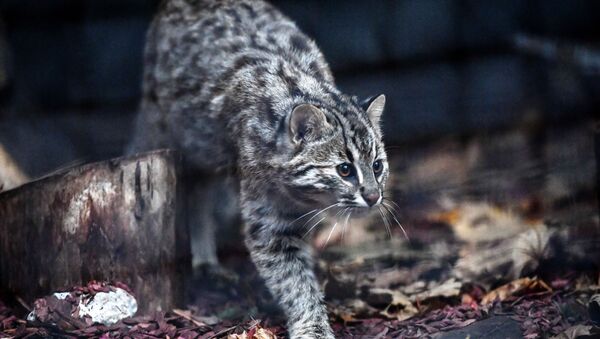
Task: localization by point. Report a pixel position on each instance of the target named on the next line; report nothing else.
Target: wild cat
(234, 85)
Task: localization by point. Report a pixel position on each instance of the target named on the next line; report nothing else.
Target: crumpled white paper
(104, 307)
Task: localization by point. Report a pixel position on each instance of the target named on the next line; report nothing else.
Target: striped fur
(223, 83)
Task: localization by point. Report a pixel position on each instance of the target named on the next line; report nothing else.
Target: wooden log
(11, 175)
(597, 156)
(114, 220)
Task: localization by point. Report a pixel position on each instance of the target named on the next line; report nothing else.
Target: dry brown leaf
(520, 285)
(259, 333)
(415, 288)
(347, 317)
(475, 222)
(447, 289)
(244, 335)
(585, 285)
(351, 310)
(360, 309)
(506, 259)
(385, 297)
(400, 315)
(263, 333)
(398, 305)
(189, 316)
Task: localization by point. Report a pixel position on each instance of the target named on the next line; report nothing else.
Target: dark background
(71, 69)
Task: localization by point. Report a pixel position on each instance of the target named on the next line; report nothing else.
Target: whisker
(313, 226)
(337, 220)
(331, 232)
(387, 208)
(346, 222)
(395, 207)
(393, 202)
(385, 222)
(321, 211)
(303, 215)
(385, 213)
(390, 199)
(329, 236)
(394, 213)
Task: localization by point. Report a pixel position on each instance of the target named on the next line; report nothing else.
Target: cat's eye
(377, 167)
(345, 170)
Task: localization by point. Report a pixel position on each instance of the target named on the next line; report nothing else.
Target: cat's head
(338, 154)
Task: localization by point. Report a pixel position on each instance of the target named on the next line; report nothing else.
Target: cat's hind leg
(211, 211)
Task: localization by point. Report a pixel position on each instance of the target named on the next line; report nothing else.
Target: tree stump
(11, 175)
(115, 220)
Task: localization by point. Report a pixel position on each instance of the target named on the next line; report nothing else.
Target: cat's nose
(371, 197)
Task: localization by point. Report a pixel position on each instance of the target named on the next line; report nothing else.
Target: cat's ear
(374, 107)
(307, 122)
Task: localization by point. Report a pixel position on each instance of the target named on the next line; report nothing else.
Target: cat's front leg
(285, 263)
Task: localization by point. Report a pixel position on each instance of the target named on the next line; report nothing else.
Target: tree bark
(115, 220)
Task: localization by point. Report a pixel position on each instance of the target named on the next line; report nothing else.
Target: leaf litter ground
(503, 243)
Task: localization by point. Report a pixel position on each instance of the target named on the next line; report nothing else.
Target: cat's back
(195, 52)
(197, 41)
(191, 46)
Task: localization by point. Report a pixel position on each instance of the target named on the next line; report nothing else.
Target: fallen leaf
(188, 315)
(475, 222)
(263, 333)
(447, 289)
(397, 305)
(517, 286)
(347, 317)
(255, 333)
(584, 284)
(354, 309)
(244, 335)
